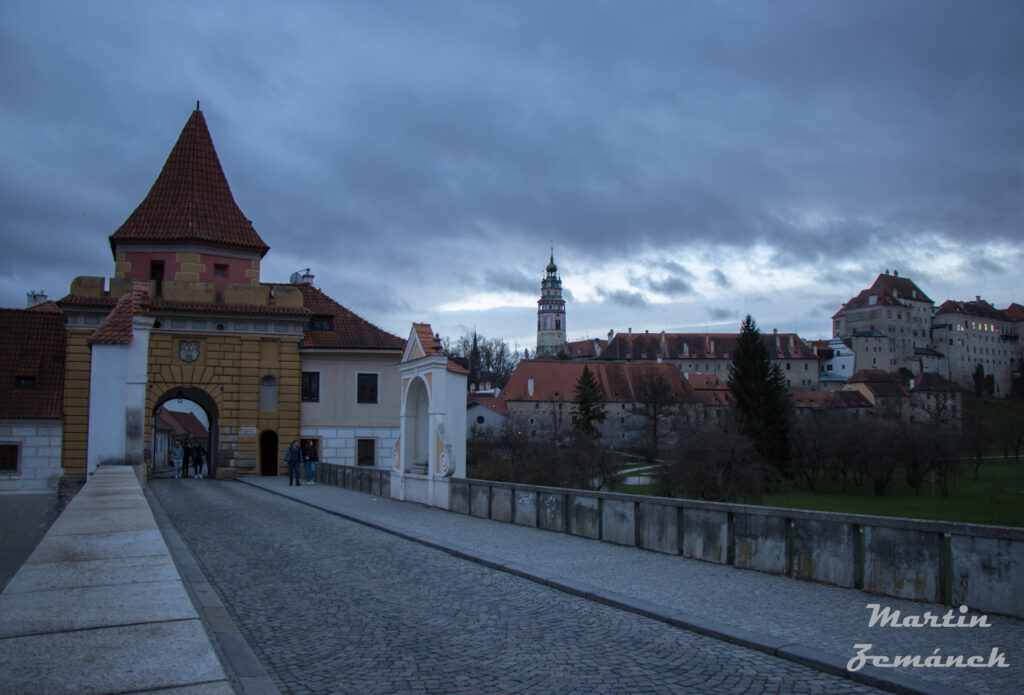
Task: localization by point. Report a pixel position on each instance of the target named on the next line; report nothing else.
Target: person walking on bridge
(293, 457)
(177, 452)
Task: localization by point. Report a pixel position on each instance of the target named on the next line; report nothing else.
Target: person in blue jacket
(293, 457)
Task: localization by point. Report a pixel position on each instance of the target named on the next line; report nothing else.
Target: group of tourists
(186, 454)
(305, 457)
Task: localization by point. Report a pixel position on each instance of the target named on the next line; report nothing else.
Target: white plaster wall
(107, 404)
(338, 444)
(492, 421)
(40, 451)
(455, 418)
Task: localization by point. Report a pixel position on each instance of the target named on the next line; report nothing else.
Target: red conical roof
(190, 201)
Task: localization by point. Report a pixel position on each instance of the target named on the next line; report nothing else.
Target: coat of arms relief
(188, 350)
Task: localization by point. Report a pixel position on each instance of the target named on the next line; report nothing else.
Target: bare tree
(655, 401)
(716, 462)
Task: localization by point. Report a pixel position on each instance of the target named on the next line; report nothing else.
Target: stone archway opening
(417, 447)
(178, 399)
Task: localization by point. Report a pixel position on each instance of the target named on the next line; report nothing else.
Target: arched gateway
(186, 316)
(209, 406)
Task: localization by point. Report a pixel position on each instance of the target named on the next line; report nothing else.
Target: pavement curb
(817, 659)
(236, 656)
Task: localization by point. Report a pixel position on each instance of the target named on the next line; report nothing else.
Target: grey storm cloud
(624, 298)
(672, 287)
(720, 279)
(719, 313)
(432, 148)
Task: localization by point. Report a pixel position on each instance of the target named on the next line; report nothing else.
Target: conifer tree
(759, 394)
(589, 406)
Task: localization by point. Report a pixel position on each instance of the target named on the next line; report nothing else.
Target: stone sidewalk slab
(99, 606)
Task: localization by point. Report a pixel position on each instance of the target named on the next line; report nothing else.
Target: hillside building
(886, 324)
(973, 334)
(712, 353)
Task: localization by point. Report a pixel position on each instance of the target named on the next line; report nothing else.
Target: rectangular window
(25, 382)
(311, 387)
(220, 270)
(8, 458)
(366, 388)
(156, 275)
(366, 452)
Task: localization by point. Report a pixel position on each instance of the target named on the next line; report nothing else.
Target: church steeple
(551, 313)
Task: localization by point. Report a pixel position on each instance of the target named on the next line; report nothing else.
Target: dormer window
(320, 323)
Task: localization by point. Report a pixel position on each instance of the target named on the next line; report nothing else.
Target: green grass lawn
(996, 498)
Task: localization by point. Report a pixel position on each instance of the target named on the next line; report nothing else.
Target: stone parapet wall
(979, 566)
(374, 481)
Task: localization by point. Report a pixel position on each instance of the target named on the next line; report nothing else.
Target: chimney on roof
(895, 273)
(631, 330)
(35, 298)
(301, 277)
(611, 334)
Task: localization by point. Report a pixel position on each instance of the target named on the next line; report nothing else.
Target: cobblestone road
(330, 606)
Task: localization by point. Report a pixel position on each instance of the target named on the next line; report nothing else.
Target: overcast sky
(691, 162)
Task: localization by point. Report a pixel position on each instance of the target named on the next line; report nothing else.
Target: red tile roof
(429, 341)
(347, 330)
(930, 381)
(1014, 312)
(555, 380)
(491, 402)
(826, 400)
(116, 328)
(586, 348)
(706, 382)
(879, 382)
(978, 308)
(48, 306)
(888, 290)
(431, 344)
(190, 201)
(108, 302)
(33, 346)
(698, 346)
